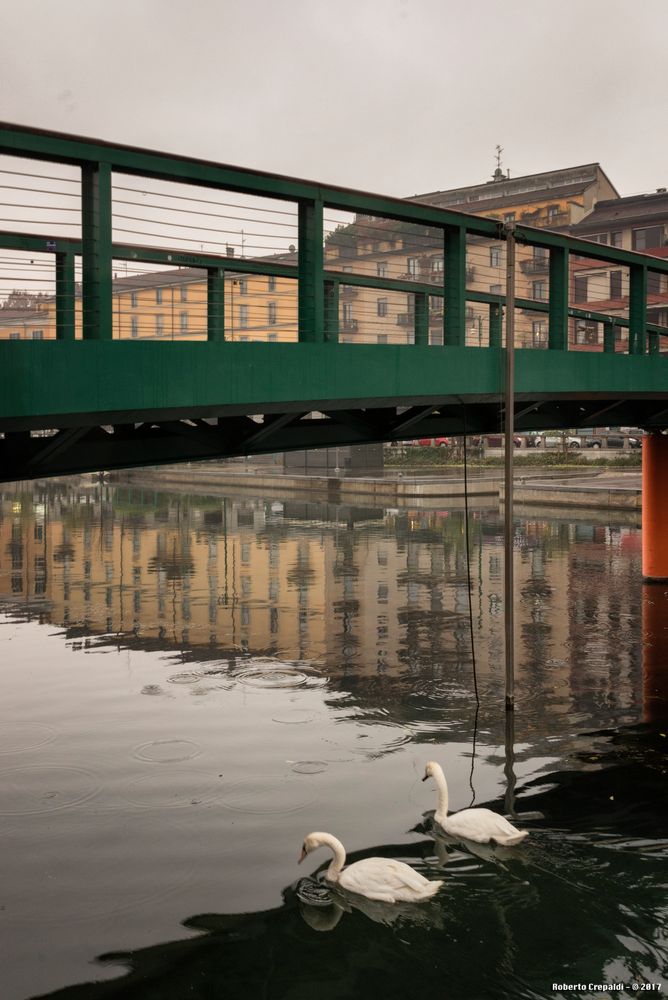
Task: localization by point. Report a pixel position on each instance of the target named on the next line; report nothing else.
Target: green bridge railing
(318, 286)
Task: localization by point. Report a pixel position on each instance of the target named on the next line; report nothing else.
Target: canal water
(192, 684)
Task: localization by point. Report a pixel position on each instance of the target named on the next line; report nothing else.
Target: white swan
(479, 825)
(383, 879)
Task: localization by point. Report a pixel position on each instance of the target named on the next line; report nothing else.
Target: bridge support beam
(654, 508)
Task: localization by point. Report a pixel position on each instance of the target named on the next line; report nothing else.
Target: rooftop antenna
(498, 173)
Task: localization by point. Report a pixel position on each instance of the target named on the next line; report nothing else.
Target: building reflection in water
(369, 592)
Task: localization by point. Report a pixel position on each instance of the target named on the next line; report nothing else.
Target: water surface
(191, 684)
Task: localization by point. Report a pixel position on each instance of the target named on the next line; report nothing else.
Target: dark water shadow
(583, 901)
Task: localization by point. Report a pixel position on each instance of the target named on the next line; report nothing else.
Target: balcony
(406, 319)
(433, 277)
(546, 221)
(349, 326)
(537, 265)
(349, 291)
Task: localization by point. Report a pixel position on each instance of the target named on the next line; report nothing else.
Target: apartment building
(172, 305)
(556, 199)
(639, 223)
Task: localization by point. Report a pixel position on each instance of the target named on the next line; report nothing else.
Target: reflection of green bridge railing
(122, 403)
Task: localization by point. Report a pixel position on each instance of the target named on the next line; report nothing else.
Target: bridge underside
(86, 406)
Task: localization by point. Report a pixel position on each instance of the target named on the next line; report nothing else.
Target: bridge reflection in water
(195, 682)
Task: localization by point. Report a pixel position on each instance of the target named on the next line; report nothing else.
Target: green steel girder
(87, 449)
(85, 383)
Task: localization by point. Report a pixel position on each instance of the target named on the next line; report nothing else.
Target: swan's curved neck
(442, 786)
(339, 859)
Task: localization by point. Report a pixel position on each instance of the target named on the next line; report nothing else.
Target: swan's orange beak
(302, 856)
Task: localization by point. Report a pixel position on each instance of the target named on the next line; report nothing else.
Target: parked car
(551, 439)
(611, 441)
(495, 441)
(439, 442)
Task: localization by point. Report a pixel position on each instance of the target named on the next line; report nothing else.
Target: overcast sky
(393, 96)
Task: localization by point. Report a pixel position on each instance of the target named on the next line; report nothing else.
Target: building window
(586, 332)
(243, 317)
(413, 266)
(134, 329)
(158, 296)
(615, 239)
(539, 290)
(653, 283)
(615, 284)
(580, 288)
(347, 310)
(243, 286)
(15, 336)
(509, 217)
(183, 322)
(271, 283)
(437, 265)
(495, 256)
(382, 338)
(381, 307)
(271, 314)
(552, 212)
(495, 289)
(184, 293)
(646, 239)
(38, 335)
(539, 332)
(273, 336)
(159, 325)
(133, 300)
(540, 255)
(381, 269)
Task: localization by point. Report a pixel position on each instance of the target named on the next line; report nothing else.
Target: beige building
(556, 199)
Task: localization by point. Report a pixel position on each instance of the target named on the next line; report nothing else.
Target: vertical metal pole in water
(509, 767)
(509, 618)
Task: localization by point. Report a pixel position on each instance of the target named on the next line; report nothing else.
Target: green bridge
(95, 401)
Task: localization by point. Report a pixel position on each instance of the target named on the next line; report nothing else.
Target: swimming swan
(383, 879)
(479, 825)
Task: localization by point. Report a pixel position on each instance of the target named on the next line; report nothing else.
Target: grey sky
(394, 96)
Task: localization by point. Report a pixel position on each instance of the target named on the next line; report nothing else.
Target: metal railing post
(454, 289)
(65, 296)
(332, 311)
(96, 251)
(421, 318)
(215, 303)
(608, 338)
(310, 262)
(495, 321)
(558, 301)
(637, 308)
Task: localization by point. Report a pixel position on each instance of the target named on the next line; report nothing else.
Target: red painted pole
(655, 507)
